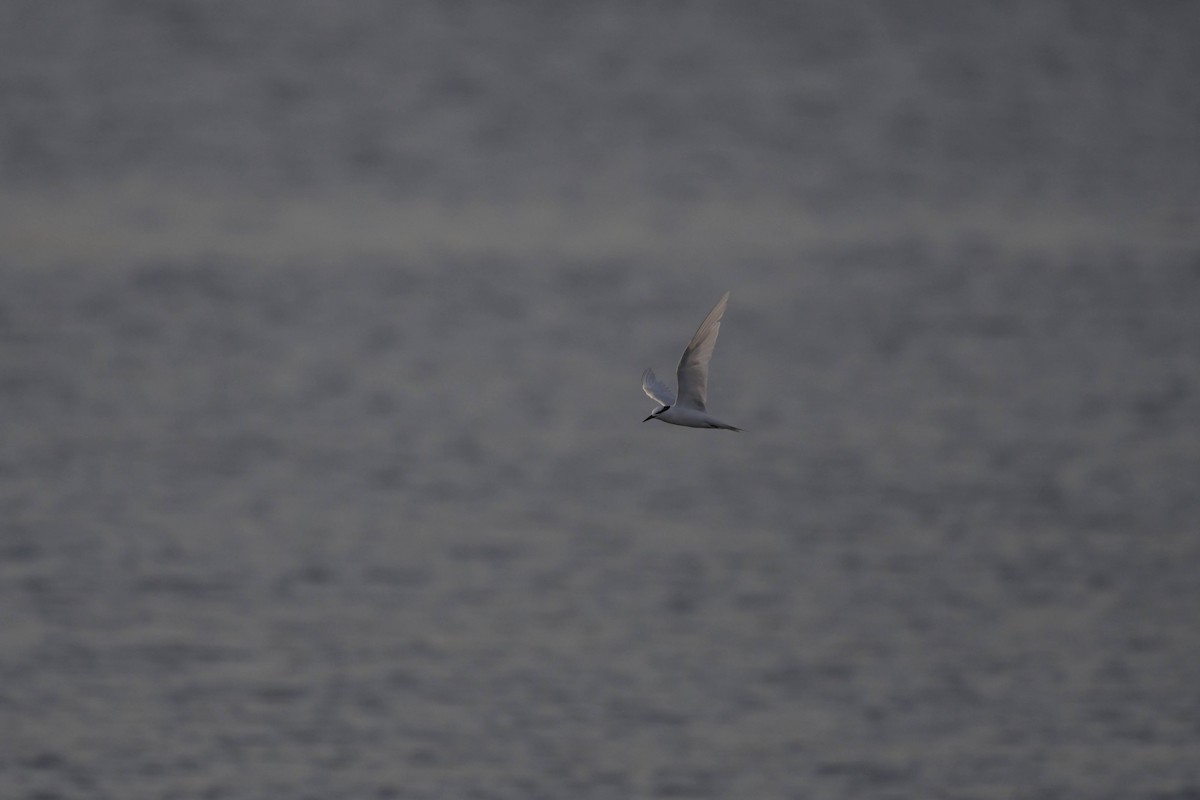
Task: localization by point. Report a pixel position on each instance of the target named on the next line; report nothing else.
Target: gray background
(321, 469)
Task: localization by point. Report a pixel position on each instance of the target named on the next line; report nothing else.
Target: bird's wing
(693, 367)
(656, 390)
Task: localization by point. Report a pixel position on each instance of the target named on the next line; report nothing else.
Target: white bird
(692, 375)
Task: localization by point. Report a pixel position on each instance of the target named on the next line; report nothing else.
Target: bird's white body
(692, 374)
(690, 418)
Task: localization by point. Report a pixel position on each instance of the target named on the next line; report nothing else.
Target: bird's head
(655, 413)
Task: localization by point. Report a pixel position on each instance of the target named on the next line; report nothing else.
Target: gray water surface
(322, 474)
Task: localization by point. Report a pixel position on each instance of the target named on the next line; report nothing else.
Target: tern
(692, 374)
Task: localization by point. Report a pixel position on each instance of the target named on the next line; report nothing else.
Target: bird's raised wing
(656, 390)
(693, 366)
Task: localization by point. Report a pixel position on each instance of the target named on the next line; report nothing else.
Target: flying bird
(692, 375)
